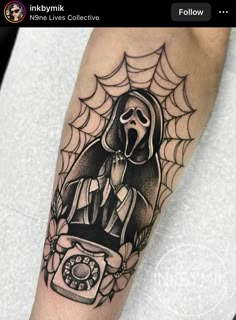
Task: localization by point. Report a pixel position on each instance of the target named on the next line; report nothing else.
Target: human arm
(199, 53)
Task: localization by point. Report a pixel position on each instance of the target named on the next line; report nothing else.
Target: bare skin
(199, 53)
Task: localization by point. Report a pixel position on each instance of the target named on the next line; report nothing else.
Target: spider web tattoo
(127, 145)
(154, 73)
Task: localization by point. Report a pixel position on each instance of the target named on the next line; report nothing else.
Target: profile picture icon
(14, 11)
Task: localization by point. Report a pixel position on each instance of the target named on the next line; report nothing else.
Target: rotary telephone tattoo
(127, 145)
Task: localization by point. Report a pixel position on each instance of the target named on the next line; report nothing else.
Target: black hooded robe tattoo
(98, 210)
(127, 144)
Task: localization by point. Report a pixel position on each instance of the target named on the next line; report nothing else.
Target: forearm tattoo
(127, 145)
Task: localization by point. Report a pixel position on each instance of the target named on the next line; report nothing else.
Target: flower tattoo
(127, 145)
(51, 252)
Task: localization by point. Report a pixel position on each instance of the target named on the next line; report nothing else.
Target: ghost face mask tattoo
(127, 144)
(136, 122)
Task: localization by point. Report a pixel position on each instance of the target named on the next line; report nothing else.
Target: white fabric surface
(202, 213)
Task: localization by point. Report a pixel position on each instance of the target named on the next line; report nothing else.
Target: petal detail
(53, 262)
(132, 261)
(125, 250)
(107, 285)
(52, 228)
(121, 282)
(46, 249)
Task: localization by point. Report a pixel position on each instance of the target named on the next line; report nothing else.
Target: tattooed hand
(118, 168)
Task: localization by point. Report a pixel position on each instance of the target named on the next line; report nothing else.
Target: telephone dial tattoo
(127, 145)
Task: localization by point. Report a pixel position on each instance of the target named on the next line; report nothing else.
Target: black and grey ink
(127, 145)
(114, 196)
